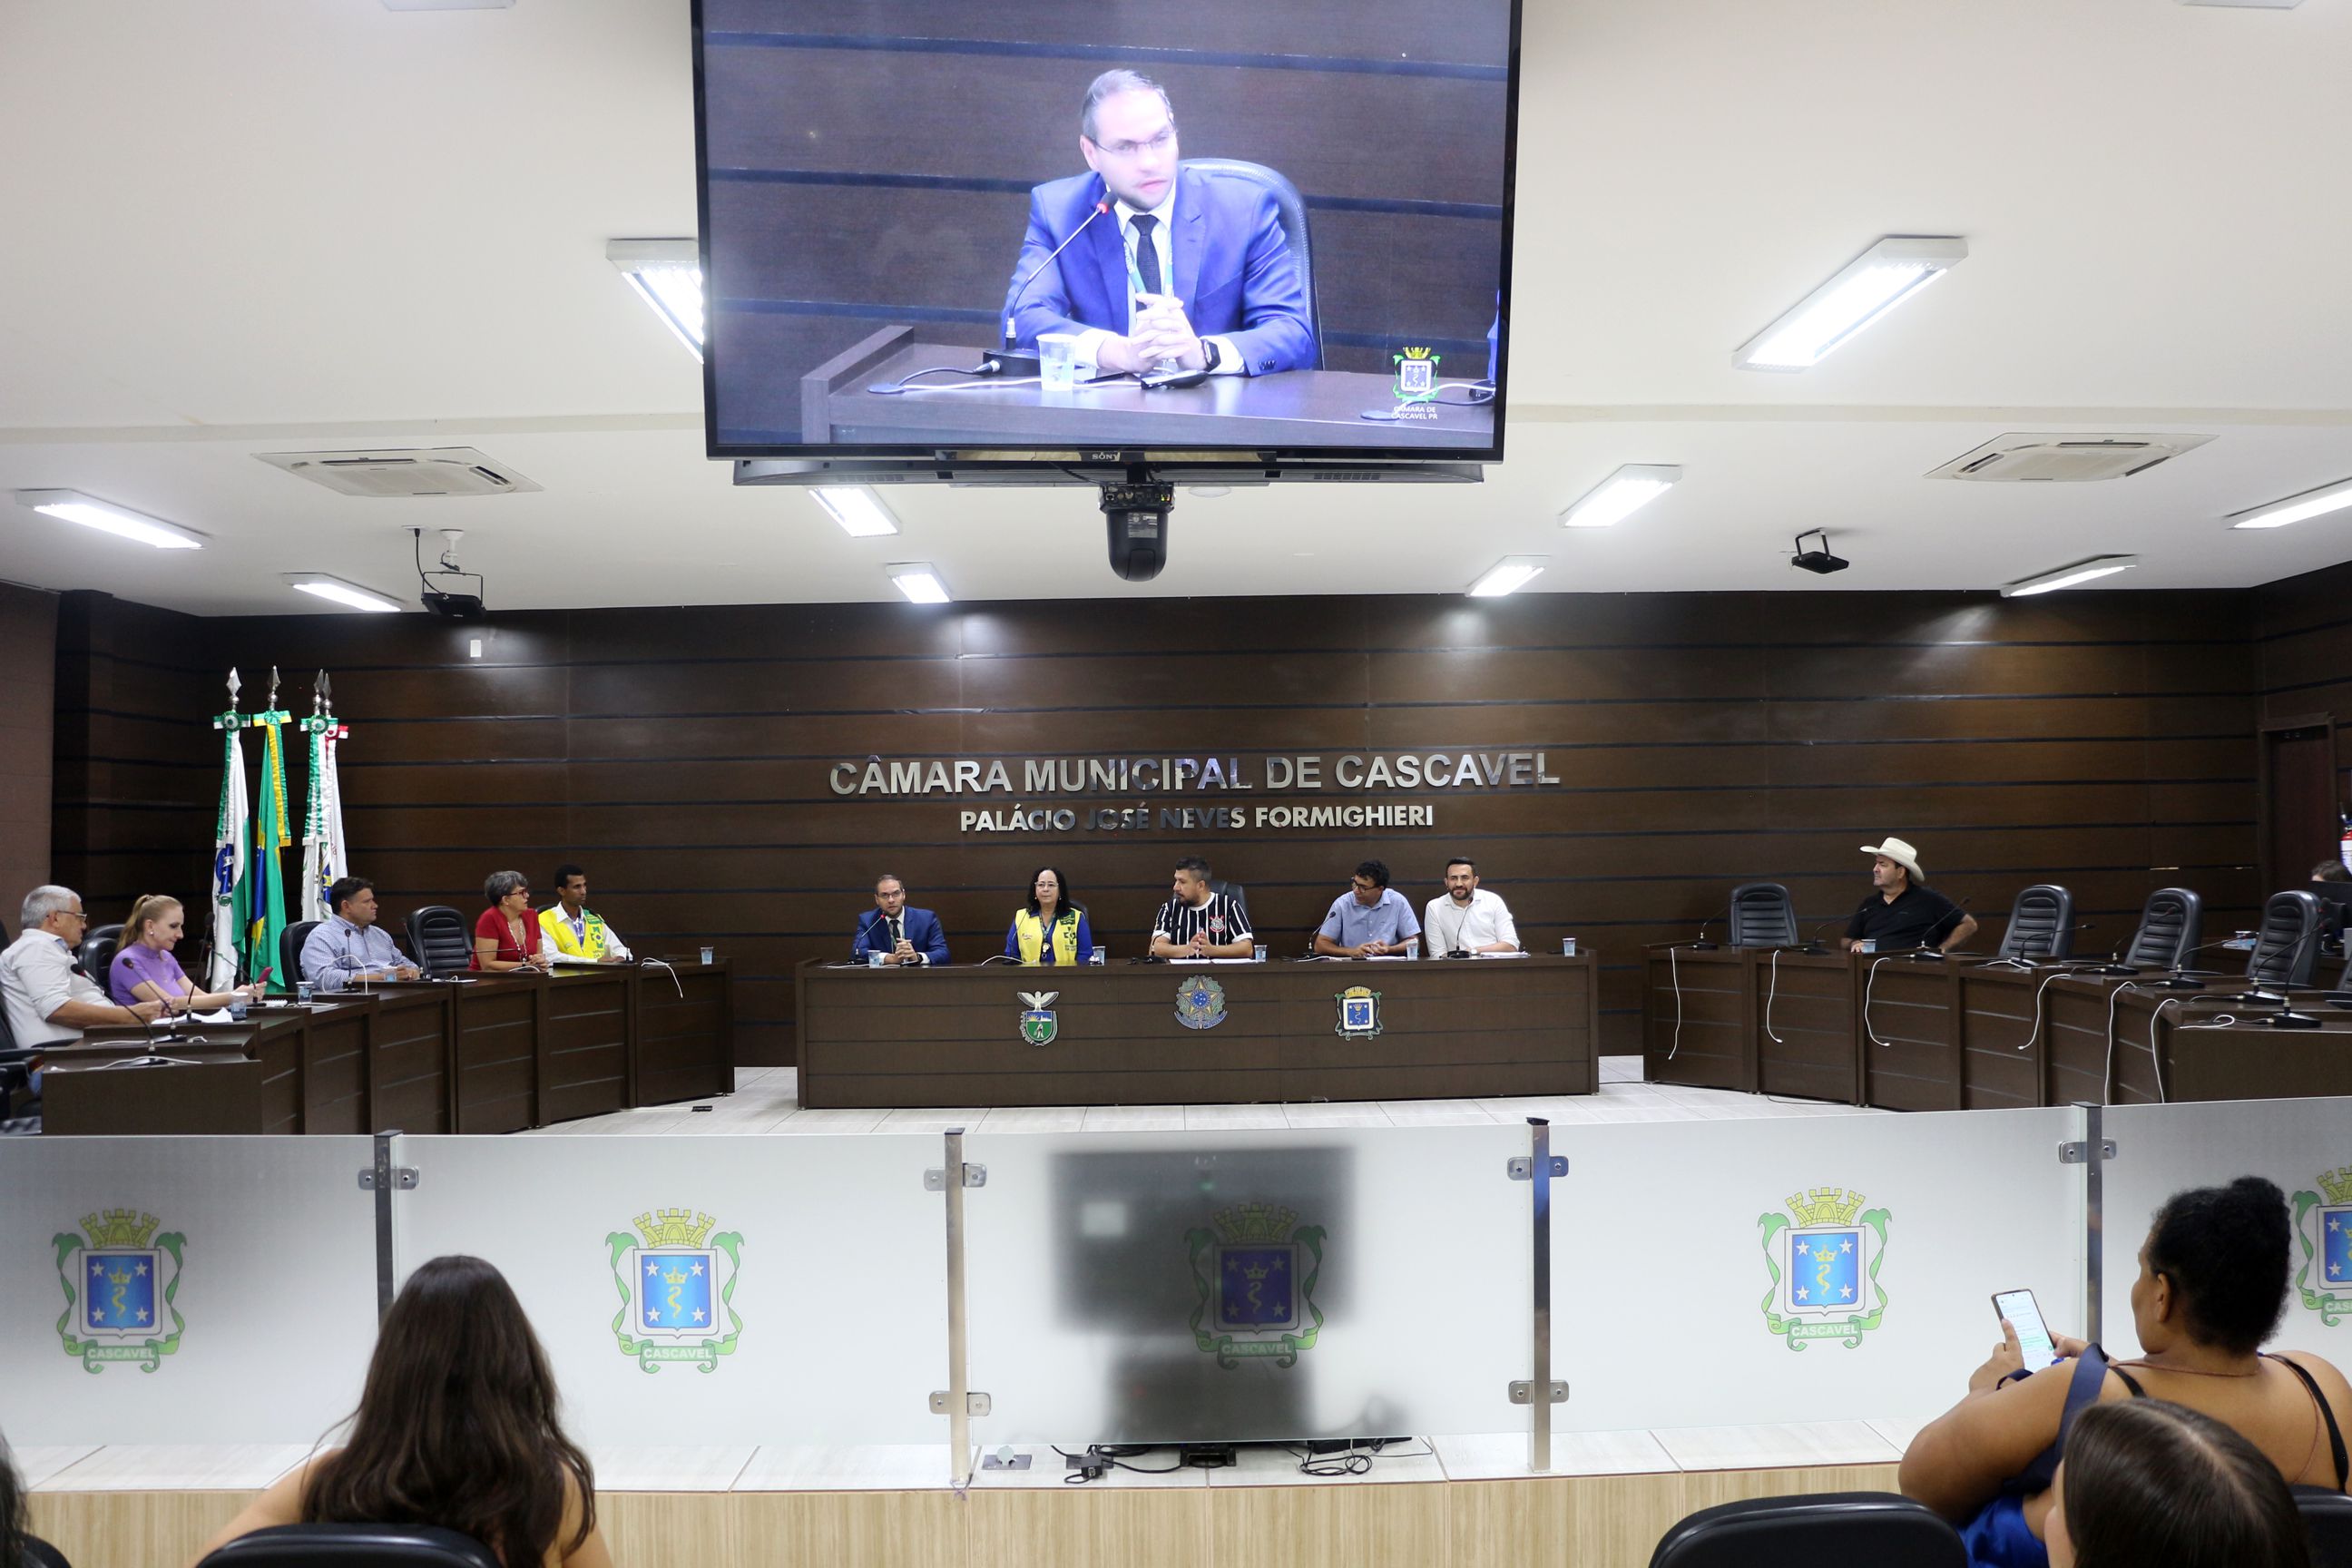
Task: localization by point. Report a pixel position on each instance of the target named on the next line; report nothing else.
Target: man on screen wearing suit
(1178, 253)
(899, 935)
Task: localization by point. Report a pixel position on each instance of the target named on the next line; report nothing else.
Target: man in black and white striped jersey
(1198, 923)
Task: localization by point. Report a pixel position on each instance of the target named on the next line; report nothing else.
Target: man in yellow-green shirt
(574, 932)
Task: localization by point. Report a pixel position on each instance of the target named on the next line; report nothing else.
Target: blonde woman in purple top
(144, 969)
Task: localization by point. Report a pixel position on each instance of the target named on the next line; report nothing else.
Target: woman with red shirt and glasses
(508, 936)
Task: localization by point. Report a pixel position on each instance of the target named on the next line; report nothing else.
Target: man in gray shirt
(351, 949)
(51, 1002)
(1370, 921)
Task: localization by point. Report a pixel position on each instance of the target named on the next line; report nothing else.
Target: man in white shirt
(49, 1000)
(1467, 919)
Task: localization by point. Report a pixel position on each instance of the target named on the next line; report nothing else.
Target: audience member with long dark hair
(2148, 1482)
(12, 1511)
(2211, 1286)
(456, 1428)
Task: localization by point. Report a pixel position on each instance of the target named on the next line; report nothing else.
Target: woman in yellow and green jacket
(1052, 928)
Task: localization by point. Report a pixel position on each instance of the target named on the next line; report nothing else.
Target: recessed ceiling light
(1868, 287)
(1509, 576)
(2097, 566)
(667, 276)
(919, 582)
(107, 518)
(335, 591)
(858, 509)
(1621, 494)
(2296, 508)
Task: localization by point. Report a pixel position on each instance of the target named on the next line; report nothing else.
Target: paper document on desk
(1213, 960)
(1499, 955)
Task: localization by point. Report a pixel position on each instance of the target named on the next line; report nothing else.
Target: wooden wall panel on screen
(2304, 651)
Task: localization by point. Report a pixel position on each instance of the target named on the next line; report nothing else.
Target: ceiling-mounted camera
(1135, 515)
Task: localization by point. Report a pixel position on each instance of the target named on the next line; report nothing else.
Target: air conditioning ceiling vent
(403, 472)
(2064, 460)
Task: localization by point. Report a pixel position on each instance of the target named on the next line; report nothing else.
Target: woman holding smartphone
(2212, 1285)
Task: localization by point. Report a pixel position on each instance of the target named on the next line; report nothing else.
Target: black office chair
(2327, 1524)
(2170, 926)
(289, 950)
(1290, 211)
(2041, 924)
(1235, 892)
(99, 946)
(441, 940)
(1833, 1530)
(351, 1546)
(2286, 949)
(1762, 915)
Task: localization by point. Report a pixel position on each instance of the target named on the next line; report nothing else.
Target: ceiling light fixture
(2097, 566)
(667, 276)
(351, 596)
(2296, 507)
(1509, 576)
(107, 518)
(1868, 287)
(1621, 494)
(920, 581)
(858, 509)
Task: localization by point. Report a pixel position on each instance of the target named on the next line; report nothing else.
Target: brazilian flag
(265, 903)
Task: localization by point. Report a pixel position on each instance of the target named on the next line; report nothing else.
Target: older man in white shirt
(49, 1000)
(1466, 918)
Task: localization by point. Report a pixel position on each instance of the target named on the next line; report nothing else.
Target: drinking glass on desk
(1058, 361)
(707, 954)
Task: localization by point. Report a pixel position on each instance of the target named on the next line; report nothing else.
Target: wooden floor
(766, 1101)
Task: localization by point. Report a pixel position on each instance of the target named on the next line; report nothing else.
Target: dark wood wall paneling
(28, 648)
(137, 771)
(2304, 638)
(2102, 742)
(1401, 173)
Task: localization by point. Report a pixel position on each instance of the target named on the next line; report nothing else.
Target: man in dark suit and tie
(899, 935)
(1180, 266)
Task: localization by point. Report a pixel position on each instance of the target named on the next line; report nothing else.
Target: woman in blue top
(1052, 929)
(2212, 1284)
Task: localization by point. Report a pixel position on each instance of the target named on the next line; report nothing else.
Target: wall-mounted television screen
(1032, 227)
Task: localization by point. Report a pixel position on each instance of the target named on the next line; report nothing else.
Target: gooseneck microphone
(1005, 361)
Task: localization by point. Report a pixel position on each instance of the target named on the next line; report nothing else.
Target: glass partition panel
(1230, 1287)
(2303, 1145)
(183, 1289)
(1803, 1268)
(704, 1290)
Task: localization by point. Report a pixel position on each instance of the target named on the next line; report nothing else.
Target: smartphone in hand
(2024, 1315)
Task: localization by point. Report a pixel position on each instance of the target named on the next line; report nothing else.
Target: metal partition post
(2091, 1152)
(957, 1401)
(1540, 1392)
(384, 1176)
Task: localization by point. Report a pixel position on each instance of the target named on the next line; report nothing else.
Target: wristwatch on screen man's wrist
(1208, 353)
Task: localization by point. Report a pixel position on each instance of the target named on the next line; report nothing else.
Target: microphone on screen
(865, 930)
(1924, 953)
(1814, 943)
(1013, 306)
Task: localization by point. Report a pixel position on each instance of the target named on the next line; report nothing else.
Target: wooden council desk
(494, 1053)
(958, 1036)
(1963, 1033)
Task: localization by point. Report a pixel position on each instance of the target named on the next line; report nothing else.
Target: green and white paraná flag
(324, 858)
(265, 906)
(230, 836)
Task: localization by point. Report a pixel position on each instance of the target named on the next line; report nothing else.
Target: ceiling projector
(1820, 560)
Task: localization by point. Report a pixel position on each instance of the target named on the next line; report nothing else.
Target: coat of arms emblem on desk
(2323, 1223)
(119, 1284)
(1824, 1267)
(1360, 1012)
(678, 1290)
(1199, 1002)
(1038, 1027)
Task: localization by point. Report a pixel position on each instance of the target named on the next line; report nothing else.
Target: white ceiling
(288, 224)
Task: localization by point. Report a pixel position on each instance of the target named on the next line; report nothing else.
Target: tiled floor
(766, 1099)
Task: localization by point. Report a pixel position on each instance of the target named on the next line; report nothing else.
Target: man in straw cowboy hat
(1902, 910)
